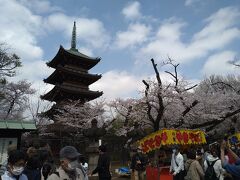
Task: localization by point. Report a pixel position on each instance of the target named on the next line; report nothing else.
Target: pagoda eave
(57, 77)
(58, 93)
(72, 55)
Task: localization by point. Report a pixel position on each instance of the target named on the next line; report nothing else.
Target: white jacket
(177, 163)
(217, 166)
(64, 176)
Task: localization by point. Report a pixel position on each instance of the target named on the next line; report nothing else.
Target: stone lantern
(93, 135)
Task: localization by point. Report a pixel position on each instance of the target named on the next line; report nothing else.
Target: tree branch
(157, 73)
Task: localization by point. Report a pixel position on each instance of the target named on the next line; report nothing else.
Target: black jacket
(138, 167)
(103, 167)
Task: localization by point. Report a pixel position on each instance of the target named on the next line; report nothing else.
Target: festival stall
(168, 137)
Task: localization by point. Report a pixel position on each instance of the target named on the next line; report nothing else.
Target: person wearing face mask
(177, 164)
(15, 167)
(3, 167)
(68, 169)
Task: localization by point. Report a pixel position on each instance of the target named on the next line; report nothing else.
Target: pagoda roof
(57, 77)
(64, 56)
(61, 92)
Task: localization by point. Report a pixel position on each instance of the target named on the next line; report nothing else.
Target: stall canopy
(170, 137)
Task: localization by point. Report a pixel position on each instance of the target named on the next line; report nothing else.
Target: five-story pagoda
(71, 79)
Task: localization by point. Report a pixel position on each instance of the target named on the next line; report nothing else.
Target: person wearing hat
(68, 165)
(177, 164)
(103, 164)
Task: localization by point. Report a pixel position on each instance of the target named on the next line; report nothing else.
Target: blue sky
(202, 35)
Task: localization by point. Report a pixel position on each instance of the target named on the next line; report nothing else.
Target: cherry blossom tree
(79, 115)
(13, 95)
(162, 105)
(15, 99)
(213, 105)
(219, 107)
(127, 113)
(74, 116)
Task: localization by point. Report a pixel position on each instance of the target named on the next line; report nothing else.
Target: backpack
(210, 173)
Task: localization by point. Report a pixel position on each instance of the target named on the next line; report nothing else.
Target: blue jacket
(233, 169)
(8, 176)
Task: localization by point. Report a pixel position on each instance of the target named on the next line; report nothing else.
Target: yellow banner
(171, 136)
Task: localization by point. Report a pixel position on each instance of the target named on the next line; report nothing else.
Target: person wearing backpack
(213, 167)
(193, 167)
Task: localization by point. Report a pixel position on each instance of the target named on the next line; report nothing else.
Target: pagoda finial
(73, 42)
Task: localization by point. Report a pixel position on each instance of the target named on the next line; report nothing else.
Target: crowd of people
(209, 163)
(38, 164)
(215, 163)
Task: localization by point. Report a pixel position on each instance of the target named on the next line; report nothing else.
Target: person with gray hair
(68, 169)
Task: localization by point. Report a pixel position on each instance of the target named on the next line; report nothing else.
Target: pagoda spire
(73, 42)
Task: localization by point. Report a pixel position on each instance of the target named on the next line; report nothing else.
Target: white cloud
(190, 2)
(136, 34)
(37, 70)
(221, 30)
(220, 21)
(91, 31)
(219, 64)
(132, 10)
(115, 84)
(170, 30)
(86, 51)
(40, 6)
(19, 28)
(121, 84)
